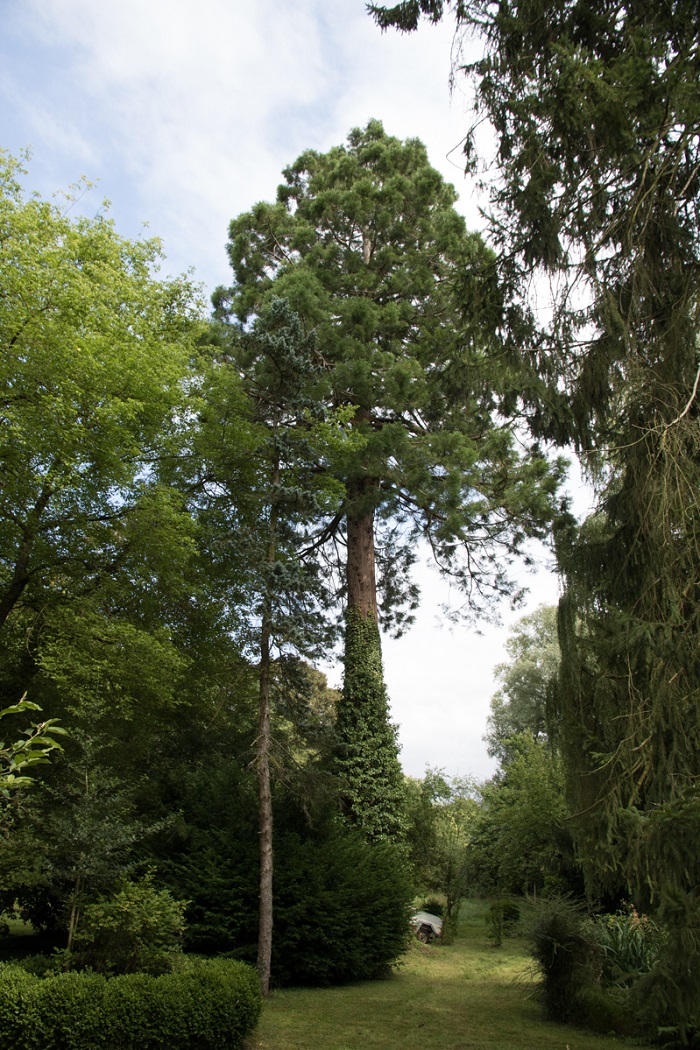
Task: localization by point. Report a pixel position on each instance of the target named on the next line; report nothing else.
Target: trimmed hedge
(213, 1005)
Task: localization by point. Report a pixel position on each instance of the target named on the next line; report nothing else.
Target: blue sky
(184, 113)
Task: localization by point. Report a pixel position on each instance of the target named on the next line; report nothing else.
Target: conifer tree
(365, 243)
(596, 114)
(266, 490)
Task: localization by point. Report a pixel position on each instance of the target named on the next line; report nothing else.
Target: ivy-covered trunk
(367, 749)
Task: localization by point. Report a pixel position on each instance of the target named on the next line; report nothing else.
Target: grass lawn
(464, 996)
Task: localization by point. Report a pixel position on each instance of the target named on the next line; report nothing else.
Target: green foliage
(366, 759)
(520, 840)
(607, 972)
(596, 144)
(433, 906)
(341, 904)
(440, 812)
(64, 1010)
(15, 984)
(501, 919)
(525, 701)
(139, 928)
(566, 958)
(38, 743)
(94, 350)
(365, 244)
(211, 1005)
(76, 841)
(210, 856)
(342, 908)
(628, 944)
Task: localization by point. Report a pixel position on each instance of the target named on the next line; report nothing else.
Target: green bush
(628, 944)
(501, 919)
(566, 958)
(342, 909)
(40, 965)
(64, 1011)
(15, 984)
(213, 1005)
(138, 930)
(433, 906)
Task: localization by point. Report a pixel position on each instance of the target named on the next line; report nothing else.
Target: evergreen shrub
(212, 1005)
(64, 1010)
(40, 965)
(342, 909)
(15, 983)
(566, 958)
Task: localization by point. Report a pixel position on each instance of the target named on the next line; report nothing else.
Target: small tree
(521, 836)
(442, 813)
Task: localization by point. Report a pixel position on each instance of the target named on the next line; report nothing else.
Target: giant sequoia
(366, 245)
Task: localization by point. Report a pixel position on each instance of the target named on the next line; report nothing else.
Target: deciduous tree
(525, 702)
(93, 352)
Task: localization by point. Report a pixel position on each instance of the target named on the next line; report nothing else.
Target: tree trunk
(361, 577)
(20, 575)
(265, 812)
(366, 760)
(265, 917)
(74, 917)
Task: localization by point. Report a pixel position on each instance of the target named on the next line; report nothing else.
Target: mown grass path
(464, 996)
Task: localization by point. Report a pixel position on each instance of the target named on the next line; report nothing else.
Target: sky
(183, 113)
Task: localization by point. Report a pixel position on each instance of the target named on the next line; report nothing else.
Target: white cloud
(201, 106)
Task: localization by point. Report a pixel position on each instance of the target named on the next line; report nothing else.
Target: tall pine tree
(365, 243)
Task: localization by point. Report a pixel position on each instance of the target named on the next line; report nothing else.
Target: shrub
(566, 958)
(342, 909)
(66, 1011)
(433, 906)
(628, 944)
(15, 983)
(501, 919)
(136, 931)
(213, 1005)
(40, 965)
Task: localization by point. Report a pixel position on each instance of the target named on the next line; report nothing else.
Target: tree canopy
(525, 700)
(366, 246)
(365, 243)
(95, 350)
